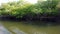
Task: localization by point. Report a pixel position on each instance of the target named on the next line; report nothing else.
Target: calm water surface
(20, 28)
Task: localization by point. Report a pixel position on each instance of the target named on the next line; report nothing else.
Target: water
(20, 28)
(3, 30)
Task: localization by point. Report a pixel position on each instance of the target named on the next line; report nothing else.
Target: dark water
(20, 28)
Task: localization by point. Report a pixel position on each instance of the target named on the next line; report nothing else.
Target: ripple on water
(17, 31)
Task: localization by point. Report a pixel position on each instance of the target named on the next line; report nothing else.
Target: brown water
(17, 27)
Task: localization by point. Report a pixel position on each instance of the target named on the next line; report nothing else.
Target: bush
(20, 9)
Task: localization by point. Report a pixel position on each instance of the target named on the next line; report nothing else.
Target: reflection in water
(17, 31)
(20, 28)
(37, 32)
(3, 30)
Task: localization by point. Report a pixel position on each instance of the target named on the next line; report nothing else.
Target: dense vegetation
(26, 11)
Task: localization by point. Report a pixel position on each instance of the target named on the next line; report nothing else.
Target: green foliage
(48, 7)
(20, 9)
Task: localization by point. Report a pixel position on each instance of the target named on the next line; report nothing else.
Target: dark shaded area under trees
(46, 11)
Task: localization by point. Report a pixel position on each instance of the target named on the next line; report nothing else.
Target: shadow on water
(35, 23)
(44, 22)
(40, 23)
